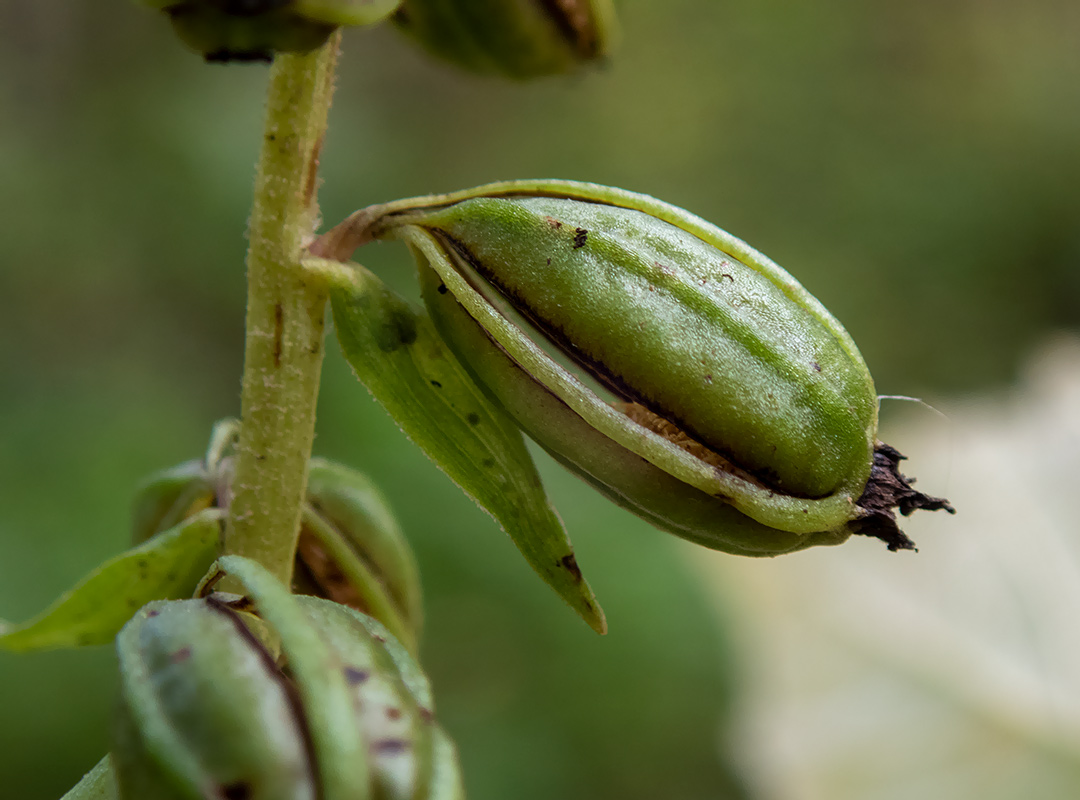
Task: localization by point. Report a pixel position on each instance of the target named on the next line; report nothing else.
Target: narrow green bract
(397, 355)
(167, 566)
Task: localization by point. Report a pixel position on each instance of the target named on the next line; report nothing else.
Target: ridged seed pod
(273, 695)
(514, 38)
(353, 551)
(676, 369)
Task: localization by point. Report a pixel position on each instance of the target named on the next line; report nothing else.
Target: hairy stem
(283, 350)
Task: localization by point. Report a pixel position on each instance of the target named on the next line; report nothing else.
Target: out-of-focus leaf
(166, 567)
(98, 784)
(168, 496)
(398, 356)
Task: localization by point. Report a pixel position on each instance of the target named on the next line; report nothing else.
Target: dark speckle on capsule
(355, 676)
(390, 746)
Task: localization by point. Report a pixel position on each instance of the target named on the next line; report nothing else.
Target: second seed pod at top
(675, 368)
(514, 38)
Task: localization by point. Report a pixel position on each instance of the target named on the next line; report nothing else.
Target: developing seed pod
(205, 712)
(253, 30)
(350, 547)
(352, 551)
(676, 369)
(210, 709)
(514, 38)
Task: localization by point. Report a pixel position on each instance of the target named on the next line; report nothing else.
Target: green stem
(285, 317)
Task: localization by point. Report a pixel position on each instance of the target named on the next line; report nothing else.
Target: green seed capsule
(355, 553)
(696, 375)
(204, 708)
(302, 699)
(253, 30)
(350, 547)
(632, 482)
(514, 38)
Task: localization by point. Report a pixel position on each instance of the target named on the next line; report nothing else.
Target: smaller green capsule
(356, 507)
(204, 710)
(392, 700)
(254, 30)
(347, 13)
(354, 551)
(273, 696)
(515, 38)
(222, 37)
(350, 547)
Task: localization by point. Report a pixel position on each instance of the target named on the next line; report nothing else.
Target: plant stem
(283, 350)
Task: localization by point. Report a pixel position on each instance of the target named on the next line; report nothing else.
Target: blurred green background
(915, 165)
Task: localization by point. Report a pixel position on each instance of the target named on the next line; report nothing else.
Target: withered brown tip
(886, 490)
